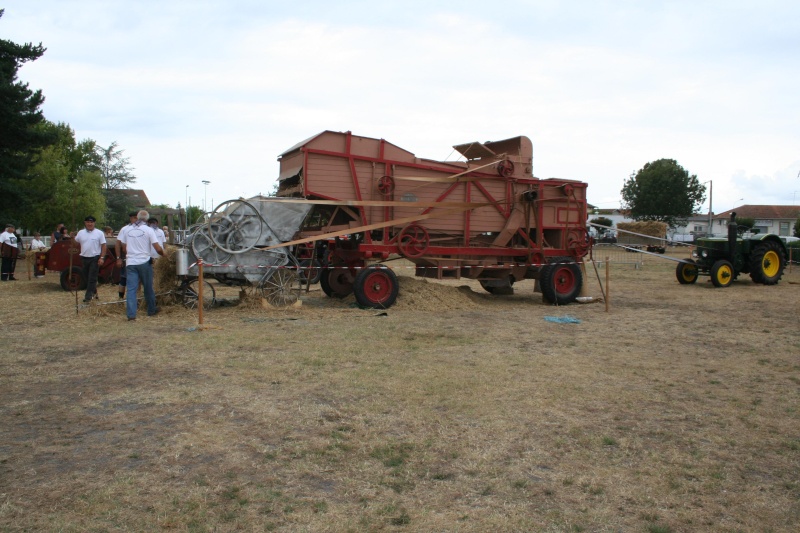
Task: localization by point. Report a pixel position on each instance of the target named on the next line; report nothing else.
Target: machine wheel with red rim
(376, 287)
(385, 185)
(561, 281)
(505, 168)
(413, 241)
(578, 240)
(336, 282)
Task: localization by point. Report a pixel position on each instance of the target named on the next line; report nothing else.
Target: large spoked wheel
(686, 272)
(337, 282)
(722, 274)
(235, 226)
(283, 287)
(413, 241)
(203, 247)
(376, 287)
(73, 280)
(190, 294)
(767, 263)
(561, 281)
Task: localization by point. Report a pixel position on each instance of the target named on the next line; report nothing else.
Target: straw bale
(647, 227)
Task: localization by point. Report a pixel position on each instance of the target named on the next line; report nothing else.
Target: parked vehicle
(761, 256)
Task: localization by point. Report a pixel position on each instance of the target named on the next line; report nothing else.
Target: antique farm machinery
(348, 204)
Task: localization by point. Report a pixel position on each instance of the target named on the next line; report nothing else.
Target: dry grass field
(452, 411)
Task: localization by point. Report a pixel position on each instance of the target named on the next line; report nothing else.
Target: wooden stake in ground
(200, 292)
(608, 277)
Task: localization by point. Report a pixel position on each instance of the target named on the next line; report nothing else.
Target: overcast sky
(200, 90)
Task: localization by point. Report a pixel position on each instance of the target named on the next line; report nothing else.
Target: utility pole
(205, 195)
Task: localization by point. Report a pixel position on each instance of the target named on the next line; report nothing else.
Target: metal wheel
(767, 263)
(561, 282)
(190, 293)
(385, 185)
(235, 226)
(722, 273)
(310, 271)
(505, 168)
(337, 282)
(413, 241)
(578, 240)
(376, 287)
(282, 288)
(203, 248)
(686, 272)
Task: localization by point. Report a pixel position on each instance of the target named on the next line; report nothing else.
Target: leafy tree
(19, 114)
(117, 173)
(745, 224)
(193, 214)
(602, 221)
(797, 228)
(663, 190)
(63, 183)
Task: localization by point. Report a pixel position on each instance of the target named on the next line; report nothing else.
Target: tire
(310, 271)
(190, 293)
(561, 281)
(336, 282)
(686, 272)
(376, 287)
(722, 274)
(75, 282)
(767, 263)
(492, 287)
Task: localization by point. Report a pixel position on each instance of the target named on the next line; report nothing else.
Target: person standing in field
(9, 248)
(123, 278)
(93, 254)
(162, 238)
(137, 241)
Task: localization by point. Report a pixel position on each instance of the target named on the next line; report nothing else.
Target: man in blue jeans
(137, 241)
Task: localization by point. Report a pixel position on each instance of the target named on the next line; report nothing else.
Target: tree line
(47, 176)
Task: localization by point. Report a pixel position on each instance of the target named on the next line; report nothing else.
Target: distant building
(136, 197)
(777, 219)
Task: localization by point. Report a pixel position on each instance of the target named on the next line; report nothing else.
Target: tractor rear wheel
(767, 263)
(686, 272)
(561, 281)
(722, 274)
(376, 287)
(75, 281)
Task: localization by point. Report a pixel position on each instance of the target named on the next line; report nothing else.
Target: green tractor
(761, 256)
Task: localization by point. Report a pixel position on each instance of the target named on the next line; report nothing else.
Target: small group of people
(137, 246)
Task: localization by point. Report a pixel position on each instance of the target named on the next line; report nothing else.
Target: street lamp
(205, 194)
(710, 200)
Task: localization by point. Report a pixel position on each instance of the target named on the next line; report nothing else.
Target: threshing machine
(350, 204)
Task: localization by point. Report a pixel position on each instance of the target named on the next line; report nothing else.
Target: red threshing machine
(487, 218)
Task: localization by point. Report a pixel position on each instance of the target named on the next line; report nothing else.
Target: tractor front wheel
(376, 287)
(767, 263)
(561, 282)
(686, 272)
(722, 274)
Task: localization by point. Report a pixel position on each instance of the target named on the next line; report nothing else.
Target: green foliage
(20, 113)
(118, 205)
(797, 228)
(115, 169)
(62, 184)
(745, 224)
(602, 221)
(193, 214)
(663, 190)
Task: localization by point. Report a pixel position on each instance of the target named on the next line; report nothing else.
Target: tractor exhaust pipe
(733, 231)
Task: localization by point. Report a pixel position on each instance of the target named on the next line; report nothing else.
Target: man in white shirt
(123, 279)
(137, 241)
(93, 254)
(162, 238)
(8, 249)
